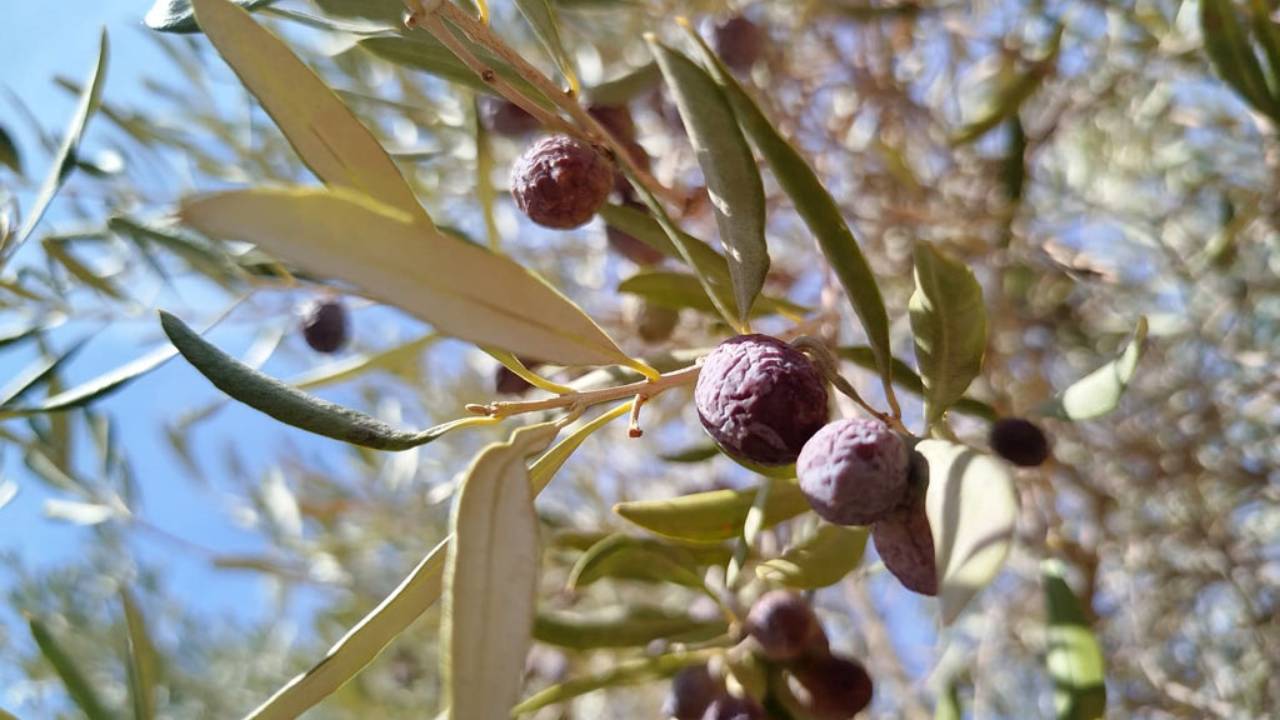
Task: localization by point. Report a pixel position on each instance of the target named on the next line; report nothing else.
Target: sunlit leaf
(393, 359)
(327, 137)
(949, 325)
(820, 559)
(78, 688)
(816, 207)
(490, 581)
(64, 158)
(1099, 392)
(621, 555)
(37, 373)
(906, 378)
(463, 290)
(541, 15)
(1074, 657)
(431, 56)
(292, 406)
(79, 513)
(176, 16)
(623, 89)
(972, 508)
(622, 627)
(144, 662)
(627, 672)
(75, 268)
(8, 491)
(694, 454)
(547, 465)
(733, 180)
(712, 516)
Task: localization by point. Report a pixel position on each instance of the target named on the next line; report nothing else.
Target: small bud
(1019, 441)
(325, 326)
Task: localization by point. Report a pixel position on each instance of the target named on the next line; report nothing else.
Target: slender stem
(640, 391)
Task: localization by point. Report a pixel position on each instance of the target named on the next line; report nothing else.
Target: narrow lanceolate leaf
(693, 454)
(144, 663)
(622, 627)
(329, 139)
(823, 558)
(712, 516)
(93, 390)
(417, 592)
(396, 360)
(1233, 56)
(176, 16)
(64, 160)
(1074, 656)
(541, 15)
(633, 558)
(629, 672)
(733, 180)
(292, 406)
(490, 583)
(677, 290)
(37, 373)
(549, 463)
(906, 378)
(78, 688)
(1099, 392)
(949, 323)
(431, 56)
(625, 88)
(463, 290)
(816, 207)
(711, 267)
(972, 507)
(9, 152)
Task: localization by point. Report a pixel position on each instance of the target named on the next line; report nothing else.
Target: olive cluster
(802, 676)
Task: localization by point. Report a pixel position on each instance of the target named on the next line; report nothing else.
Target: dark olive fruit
(853, 471)
(561, 181)
(904, 541)
(785, 627)
(760, 399)
(626, 245)
(616, 119)
(1019, 441)
(830, 687)
(506, 382)
(325, 326)
(730, 707)
(506, 118)
(655, 323)
(692, 690)
(739, 42)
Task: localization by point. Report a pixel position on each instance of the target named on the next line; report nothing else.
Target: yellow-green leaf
(622, 627)
(326, 135)
(1074, 656)
(949, 324)
(677, 290)
(733, 180)
(972, 508)
(621, 555)
(820, 559)
(1099, 392)
(906, 378)
(628, 672)
(463, 290)
(490, 583)
(541, 15)
(712, 516)
(82, 693)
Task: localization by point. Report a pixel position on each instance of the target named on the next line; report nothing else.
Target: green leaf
(144, 662)
(948, 707)
(64, 159)
(693, 454)
(176, 16)
(949, 323)
(632, 558)
(622, 627)
(972, 508)
(541, 15)
(485, 192)
(490, 580)
(37, 373)
(625, 88)
(710, 266)
(1267, 34)
(390, 11)
(816, 207)
(463, 290)
(1099, 392)
(678, 290)
(1233, 56)
(393, 359)
(429, 55)
(628, 672)
(59, 252)
(78, 687)
(417, 592)
(292, 406)
(712, 516)
(95, 389)
(9, 154)
(822, 558)
(1074, 659)
(733, 180)
(327, 137)
(906, 378)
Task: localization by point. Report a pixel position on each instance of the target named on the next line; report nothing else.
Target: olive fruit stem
(640, 391)
(822, 357)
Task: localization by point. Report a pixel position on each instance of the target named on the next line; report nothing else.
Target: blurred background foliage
(1092, 161)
